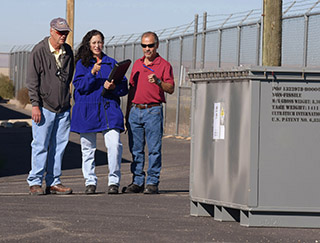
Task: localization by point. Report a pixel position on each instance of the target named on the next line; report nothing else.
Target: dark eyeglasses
(148, 45)
(62, 32)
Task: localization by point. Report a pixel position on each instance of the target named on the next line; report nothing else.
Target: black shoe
(133, 188)
(91, 189)
(113, 189)
(151, 189)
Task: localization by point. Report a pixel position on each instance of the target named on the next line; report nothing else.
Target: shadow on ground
(6, 114)
(15, 148)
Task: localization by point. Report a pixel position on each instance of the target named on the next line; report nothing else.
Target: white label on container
(218, 121)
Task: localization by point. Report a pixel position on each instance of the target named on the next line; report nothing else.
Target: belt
(144, 106)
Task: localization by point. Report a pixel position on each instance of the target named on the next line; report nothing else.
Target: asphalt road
(111, 218)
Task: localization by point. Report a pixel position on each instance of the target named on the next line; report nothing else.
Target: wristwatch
(158, 82)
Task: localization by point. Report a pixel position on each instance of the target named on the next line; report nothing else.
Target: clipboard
(119, 70)
(117, 73)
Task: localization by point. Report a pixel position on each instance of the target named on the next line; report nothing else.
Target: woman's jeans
(88, 148)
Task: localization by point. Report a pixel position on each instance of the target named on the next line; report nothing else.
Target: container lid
(262, 73)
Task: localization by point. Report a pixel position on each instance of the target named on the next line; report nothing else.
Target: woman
(93, 113)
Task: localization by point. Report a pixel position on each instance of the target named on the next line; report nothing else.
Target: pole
(194, 48)
(70, 20)
(272, 32)
(203, 43)
(70, 38)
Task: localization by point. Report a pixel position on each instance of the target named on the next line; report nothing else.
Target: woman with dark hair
(93, 113)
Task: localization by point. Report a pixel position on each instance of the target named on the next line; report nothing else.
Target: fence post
(124, 52)
(20, 70)
(114, 51)
(203, 44)
(258, 43)
(15, 72)
(133, 52)
(195, 36)
(11, 68)
(219, 47)
(238, 45)
(167, 49)
(178, 86)
(165, 104)
(24, 68)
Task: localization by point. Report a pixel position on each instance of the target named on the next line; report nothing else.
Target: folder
(119, 70)
(117, 73)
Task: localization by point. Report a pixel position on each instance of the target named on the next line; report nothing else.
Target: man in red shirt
(151, 76)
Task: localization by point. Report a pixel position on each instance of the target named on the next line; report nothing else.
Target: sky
(27, 21)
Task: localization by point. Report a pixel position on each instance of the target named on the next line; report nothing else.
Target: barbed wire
(290, 8)
(216, 21)
(301, 7)
(240, 18)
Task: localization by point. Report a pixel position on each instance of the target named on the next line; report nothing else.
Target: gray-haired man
(50, 72)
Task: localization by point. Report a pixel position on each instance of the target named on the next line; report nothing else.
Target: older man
(50, 72)
(151, 77)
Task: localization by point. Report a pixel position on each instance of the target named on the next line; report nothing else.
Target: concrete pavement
(110, 218)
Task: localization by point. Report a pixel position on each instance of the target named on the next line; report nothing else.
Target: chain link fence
(210, 42)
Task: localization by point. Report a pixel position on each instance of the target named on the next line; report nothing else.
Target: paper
(218, 122)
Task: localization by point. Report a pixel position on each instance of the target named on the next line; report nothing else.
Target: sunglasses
(148, 45)
(62, 32)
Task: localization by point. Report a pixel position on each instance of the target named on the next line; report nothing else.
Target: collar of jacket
(45, 42)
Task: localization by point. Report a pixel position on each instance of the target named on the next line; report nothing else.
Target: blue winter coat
(93, 112)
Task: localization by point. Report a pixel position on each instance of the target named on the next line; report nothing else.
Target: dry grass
(23, 97)
(6, 87)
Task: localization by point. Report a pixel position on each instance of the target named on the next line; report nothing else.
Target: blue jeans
(50, 138)
(88, 148)
(146, 125)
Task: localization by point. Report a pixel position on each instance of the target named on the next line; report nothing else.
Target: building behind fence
(4, 63)
(208, 43)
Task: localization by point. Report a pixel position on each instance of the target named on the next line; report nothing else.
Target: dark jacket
(93, 112)
(46, 88)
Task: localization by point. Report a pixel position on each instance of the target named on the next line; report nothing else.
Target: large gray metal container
(255, 146)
